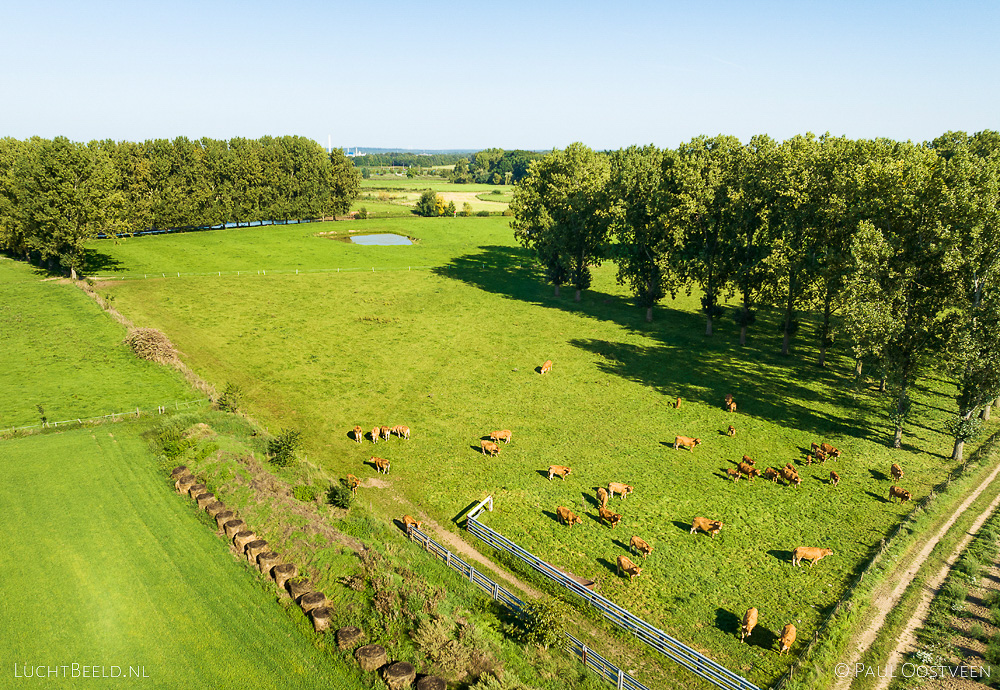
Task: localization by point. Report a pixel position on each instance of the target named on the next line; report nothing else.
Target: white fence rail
(115, 416)
(260, 272)
(677, 651)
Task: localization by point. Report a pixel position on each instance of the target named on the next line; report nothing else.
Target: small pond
(381, 238)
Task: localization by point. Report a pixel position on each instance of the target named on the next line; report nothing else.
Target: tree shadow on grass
(94, 261)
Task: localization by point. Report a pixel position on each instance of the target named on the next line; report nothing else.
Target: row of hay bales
(373, 657)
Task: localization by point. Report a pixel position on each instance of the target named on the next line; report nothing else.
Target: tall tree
(561, 211)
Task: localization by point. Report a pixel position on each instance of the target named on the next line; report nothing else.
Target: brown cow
(749, 623)
(829, 450)
(772, 474)
(748, 460)
(385, 432)
(381, 465)
(602, 497)
(734, 474)
(567, 516)
(558, 471)
(834, 478)
(640, 546)
(809, 553)
(618, 487)
(376, 433)
(791, 476)
(731, 406)
(609, 517)
(787, 639)
(547, 367)
(820, 455)
(731, 431)
(749, 471)
(896, 492)
(353, 483)
(677, 405)
(358, 434)
(729, 398)
(896, 471)
(401, 431)
(630, 568)
(687, 442)
(409, 522)
(809, 459)
(707, 526)
(489, 446)
(500, 435)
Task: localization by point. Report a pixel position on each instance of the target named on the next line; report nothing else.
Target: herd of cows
(637, 546)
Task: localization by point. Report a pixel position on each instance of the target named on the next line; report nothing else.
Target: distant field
(437, 184)
(107, 566)
(61, 351)
(452, 353)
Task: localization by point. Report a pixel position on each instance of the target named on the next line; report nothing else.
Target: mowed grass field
(453, 353)
(62, 352)
(107, 566)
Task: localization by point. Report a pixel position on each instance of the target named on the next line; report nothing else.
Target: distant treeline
(901, 239)
(403, 159)
(56, 194)
(494, 166)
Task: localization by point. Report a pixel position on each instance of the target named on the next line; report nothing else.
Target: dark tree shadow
(94, 261)
(783, 556)
(878, 497)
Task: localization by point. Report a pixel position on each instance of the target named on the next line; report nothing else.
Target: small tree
(340, 495)
(466, 209)
(282, 447)
(230, 400)
(450, 209)
(427, 205)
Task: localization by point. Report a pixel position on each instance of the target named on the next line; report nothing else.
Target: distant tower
(329, 143)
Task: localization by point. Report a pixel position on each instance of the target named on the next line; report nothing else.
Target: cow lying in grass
(707, 526)
(558, 471)
(749, 623)
(625, 564)
(809, 553)
(567, 516)
(686, 441)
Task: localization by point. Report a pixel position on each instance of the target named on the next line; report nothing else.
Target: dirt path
(886, 597)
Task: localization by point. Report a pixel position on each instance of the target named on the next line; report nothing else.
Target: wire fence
(676, 651)
(590, 658)
(261, 272)
(114, 416)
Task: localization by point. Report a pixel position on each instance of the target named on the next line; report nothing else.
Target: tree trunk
(984, 414)
(649, 314)
(825, 336)
(897, 441)
(72, 273)
(881, 385)
(857, 368)
(557, 289)
(743, 335)
(576, 295)
(708, 325)
(959, 449)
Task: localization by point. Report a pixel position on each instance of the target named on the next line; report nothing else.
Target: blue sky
(508, 74)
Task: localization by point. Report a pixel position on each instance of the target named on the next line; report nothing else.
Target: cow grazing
(749, 623)
(677, 404)
(729, 398)
(547, 367)
(617, 487)
(809, 553)
(809, 459)
(820, 455)
(686, 441)
(381, 465)
(567, 516)
(731, 431)
(409, 522)
(630, 568)
(558, 471)
(489, 447)
(791, 476)
(771, 474)
(501, 436)
(401, 431)
(749, 471)
(896, 471)
(376, 434)
(731, 406)
(707, 526)
(733, 474)
(829, 450)
(609, 517)
(787, 639)
(896, 492)
(748, 460)
(385, 432)
(640, 546)
(358, 435)
(834, 478)
(353, 483)
(602, 497)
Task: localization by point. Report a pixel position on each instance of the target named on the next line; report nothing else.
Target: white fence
(114, 416)
(261, 272)
(685, 656)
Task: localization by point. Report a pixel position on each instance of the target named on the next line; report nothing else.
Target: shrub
(282, 447)
(362, 213)
(230, 400)
(305, 493)
(483, 214)
(151, 344)
(428, 203)
(954, 589)
(340, 496)
(977, 632)
(992, 653)
(540, 623)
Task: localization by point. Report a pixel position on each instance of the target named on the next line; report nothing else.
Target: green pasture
(107, 566)
(62, 352)
(453, 353)
(437, 184)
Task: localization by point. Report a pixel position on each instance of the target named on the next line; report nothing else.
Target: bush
(340, 496)
(362, 213)
(483, 214)
(428, 203)
(230, 400)
(540, 623)
(954, 589)
(992, 653)
(976, 632)
(151, 344)
(282, 447)
(305, 493)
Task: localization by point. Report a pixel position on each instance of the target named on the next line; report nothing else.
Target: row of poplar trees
(896, 243)
(56, 194)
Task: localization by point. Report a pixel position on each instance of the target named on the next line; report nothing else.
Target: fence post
(621, 679)
(447, 559)
(472, 574)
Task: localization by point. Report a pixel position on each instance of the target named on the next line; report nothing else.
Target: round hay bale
(312, 600)
(283, 573)
(431, 683)
(320, 618)
(297, 586)
(400, 674)
(349, 636)
(233, 526)
(254, 548)
(266, 561)
(242, 538)
(184, 482)
(178, 472)
(371, 656)
(215, 507)
(204, 499)
(196, 489)
(222, 518)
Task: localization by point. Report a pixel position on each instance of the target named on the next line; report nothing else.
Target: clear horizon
(449, 75)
